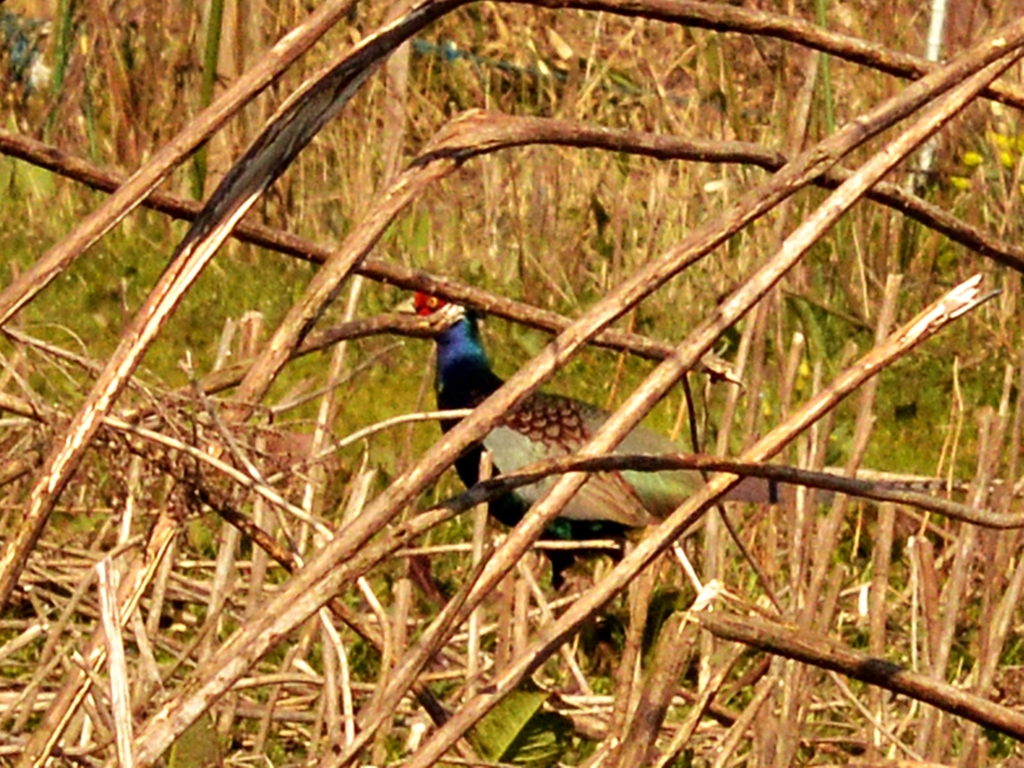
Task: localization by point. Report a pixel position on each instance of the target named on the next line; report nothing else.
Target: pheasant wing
(548, 426)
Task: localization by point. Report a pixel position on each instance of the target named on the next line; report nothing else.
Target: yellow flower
(1001, 141)
(972, 159)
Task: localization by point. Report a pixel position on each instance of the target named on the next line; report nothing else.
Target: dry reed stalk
(336, 702)
(671, 655)
(724, 751)
(815, 610)
(684, 516)
(879, 727)
(878, 609)
(474, 660)
(148, 680)
(386, 699)
(797, 526)
(780, 734)
(627, 675)
(701, 706)
(120, 699)
(50, 656)
(787, 641)
(402, 617)
(273, 696)
(929, 591)
(520, 609)
(714, 545)
(201, 587)
(993, 617)
(174, 152)
(76, 685)
(546, 617)
(955, 589)
(466, 425)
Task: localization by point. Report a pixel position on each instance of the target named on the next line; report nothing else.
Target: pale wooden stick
(120, 700)
(473, 661)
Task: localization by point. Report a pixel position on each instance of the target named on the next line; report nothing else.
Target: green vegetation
(556, 227)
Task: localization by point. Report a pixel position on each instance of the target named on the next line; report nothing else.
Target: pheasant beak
(407, 307)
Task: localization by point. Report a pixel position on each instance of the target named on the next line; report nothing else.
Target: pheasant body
(545, 426)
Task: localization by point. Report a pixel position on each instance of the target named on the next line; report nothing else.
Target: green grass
(555, 227)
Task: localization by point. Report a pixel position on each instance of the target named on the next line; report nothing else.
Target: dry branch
(541, 131)
(894, 491)
(629, 414)
(722, 17)
(960, 300)
(353, 552)
(131, 194)
(321, 577)
(823, 652)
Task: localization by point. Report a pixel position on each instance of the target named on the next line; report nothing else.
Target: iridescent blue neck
(460, 351)
(463, 371)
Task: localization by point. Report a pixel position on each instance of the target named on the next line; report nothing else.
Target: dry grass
(288, 587)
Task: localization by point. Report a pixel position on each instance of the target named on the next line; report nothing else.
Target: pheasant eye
(427, 304)
(424, 303)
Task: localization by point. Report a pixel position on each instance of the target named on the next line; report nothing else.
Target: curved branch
(542, 131)
(825, 653)
(724, 17)
(897, 492)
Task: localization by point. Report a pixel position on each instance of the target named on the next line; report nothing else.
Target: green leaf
(518, 731)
